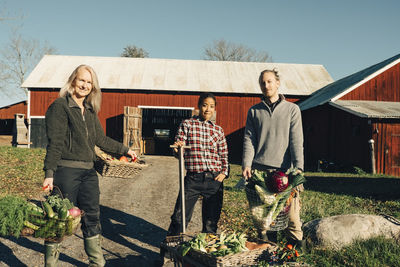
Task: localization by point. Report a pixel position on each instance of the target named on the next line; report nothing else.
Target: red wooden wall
(332, 134)
(9, 111)
(387, 147)
(231, 109)
(384, 87)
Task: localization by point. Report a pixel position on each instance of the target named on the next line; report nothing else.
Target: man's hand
(48, 184)
(246, 173)
(298, 171)
(220, 177)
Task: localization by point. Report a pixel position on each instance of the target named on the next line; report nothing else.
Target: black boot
(272, 236)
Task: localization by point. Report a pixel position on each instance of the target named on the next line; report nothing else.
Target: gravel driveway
(135, 214)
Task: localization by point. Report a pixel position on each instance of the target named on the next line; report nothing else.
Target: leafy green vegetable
(216, 245)
(271, 205)
(57, 203)
(13, 212)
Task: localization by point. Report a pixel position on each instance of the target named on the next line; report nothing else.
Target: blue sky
(344, 36)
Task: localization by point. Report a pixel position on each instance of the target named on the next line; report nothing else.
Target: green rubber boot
(94, 251)
(51, 254)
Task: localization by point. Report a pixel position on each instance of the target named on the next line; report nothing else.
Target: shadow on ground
(120, 226)
(7, 255)
(375, 188)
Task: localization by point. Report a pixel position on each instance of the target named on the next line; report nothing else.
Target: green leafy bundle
(13, 211)
(216, 245)
(272, 204)
(57, 203)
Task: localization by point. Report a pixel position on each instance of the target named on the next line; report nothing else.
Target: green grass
(329, 195)
(21, 171)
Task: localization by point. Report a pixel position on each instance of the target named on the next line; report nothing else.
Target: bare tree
(134, 51)
(222, 50)
(17, 58)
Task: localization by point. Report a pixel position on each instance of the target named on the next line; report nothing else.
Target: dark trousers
(199, 184)
(81, 187)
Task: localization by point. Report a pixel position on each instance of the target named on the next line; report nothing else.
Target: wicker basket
(245, 258)
(281, 221)
(56, 229)
(114, 168)
(51, 229)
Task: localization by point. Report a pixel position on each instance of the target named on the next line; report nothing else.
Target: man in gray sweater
(273, 140)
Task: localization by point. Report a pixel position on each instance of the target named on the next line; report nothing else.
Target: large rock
(338, 231)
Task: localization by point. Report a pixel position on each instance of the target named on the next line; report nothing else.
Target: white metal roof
(369, 109)
(178, 75)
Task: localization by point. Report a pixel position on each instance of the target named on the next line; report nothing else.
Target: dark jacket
(72, 137)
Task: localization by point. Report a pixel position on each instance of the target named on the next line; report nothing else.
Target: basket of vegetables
(52, 219)
(117, 167)
(269, 195)
(220, 250)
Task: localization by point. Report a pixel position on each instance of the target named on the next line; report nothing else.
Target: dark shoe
(269, 236)
(272, 236)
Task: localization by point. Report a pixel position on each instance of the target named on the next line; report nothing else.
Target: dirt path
(135, 214)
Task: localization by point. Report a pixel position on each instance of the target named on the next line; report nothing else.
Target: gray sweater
(273, 139)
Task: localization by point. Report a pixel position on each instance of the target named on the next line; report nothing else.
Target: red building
(342, 119)
(167, 91)
(7, 116)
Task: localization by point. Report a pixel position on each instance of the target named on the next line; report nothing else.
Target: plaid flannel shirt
(209, 151)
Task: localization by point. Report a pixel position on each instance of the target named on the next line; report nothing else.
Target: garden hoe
(181, 150)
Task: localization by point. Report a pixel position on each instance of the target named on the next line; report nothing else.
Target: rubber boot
(51, 254)
(94, 251)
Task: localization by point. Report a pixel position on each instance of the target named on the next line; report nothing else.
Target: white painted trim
(373, 75)
(165, 107)
(38, 117)
(28, 111)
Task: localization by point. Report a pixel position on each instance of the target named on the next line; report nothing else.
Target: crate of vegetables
(119, 167)
(220, 250)
(52, 219)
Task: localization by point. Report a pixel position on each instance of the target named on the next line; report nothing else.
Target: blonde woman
(73, 129)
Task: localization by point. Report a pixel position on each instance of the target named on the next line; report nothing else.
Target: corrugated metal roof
(345, 85)
(178, 75)
(370, 109)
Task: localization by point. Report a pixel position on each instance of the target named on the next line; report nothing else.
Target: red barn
(7, 116)
(167, 90)
(356, 120)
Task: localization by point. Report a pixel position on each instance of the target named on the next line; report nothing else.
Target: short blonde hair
(94, 98)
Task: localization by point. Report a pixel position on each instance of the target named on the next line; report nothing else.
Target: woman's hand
(220, 177)
(178, 144)
(48, 184)
(246, 173)
(132, 154)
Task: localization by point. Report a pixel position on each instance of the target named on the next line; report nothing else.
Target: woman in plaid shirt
(206, 164)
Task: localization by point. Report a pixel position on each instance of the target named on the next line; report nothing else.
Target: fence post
(372, 155)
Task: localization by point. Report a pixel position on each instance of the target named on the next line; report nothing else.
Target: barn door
(394, 155)
(133, 128)
(195, 112)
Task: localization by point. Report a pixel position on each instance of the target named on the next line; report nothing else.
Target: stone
(337, 231)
